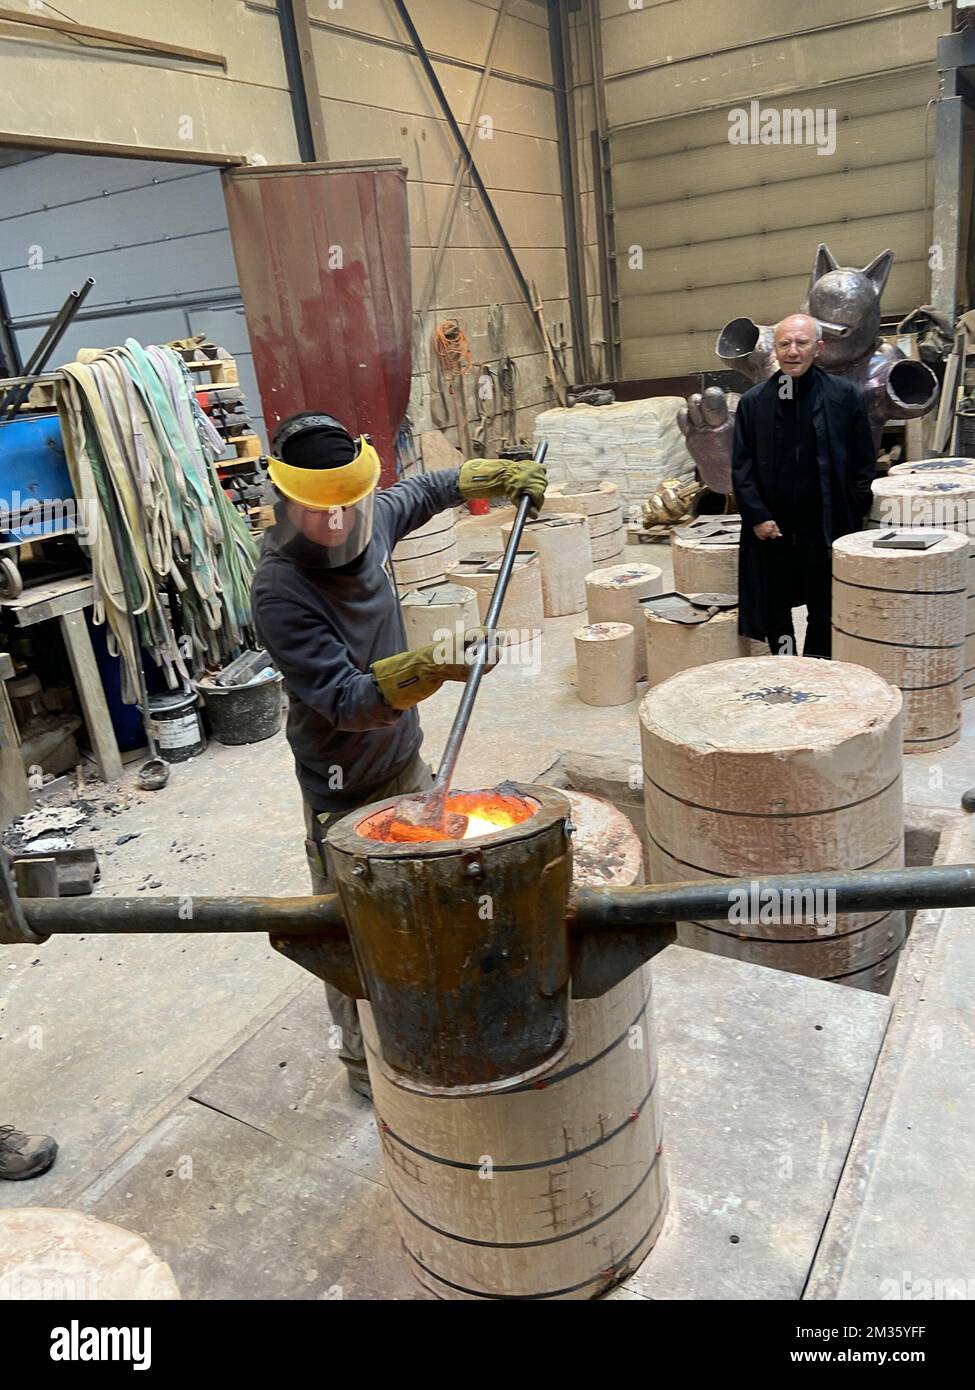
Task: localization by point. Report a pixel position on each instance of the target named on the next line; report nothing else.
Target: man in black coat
(802, 466)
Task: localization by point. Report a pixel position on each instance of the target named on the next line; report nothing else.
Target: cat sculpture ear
(823, 263)
(878, 270)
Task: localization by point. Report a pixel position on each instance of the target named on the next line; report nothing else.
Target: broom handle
(478, 666)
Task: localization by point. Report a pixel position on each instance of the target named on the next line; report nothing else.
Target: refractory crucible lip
(345, 835)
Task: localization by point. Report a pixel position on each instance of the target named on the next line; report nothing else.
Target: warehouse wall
(57, 88)
(729, 229)
(375, 101)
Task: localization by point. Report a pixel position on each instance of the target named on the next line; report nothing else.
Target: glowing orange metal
(486, 811)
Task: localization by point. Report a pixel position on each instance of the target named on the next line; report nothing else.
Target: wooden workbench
(66, 600)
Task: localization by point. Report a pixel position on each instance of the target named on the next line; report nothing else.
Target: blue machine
(36, 496)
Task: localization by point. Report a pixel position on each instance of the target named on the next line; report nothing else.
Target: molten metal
(485, 811)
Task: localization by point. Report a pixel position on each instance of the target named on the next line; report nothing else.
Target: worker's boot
(359, 1081)
(25, 1155)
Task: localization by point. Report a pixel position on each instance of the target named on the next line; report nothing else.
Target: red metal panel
(323, 259)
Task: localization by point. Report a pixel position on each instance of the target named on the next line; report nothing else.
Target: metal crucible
(462, 945)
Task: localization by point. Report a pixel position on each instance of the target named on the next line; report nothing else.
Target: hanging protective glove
(409, 677)
(504, 478)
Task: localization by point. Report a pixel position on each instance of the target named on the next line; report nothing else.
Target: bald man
(802, 465)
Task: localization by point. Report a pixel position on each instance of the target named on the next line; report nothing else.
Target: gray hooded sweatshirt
(325, 627)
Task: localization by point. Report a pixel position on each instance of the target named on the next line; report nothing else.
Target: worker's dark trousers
(799, 573)
(345, 1014)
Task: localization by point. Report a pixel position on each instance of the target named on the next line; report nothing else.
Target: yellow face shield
(319, 489)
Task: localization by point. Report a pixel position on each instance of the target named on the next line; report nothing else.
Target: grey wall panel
(129, 217)
(59, 179)
(186, 266)
(157, 326)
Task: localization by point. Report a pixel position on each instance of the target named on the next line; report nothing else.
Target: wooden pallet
(41, 396)
(223, 370)
(246, 446)
(261, 517)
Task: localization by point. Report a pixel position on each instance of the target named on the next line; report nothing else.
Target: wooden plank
(74, 629)
(56, 144)
(14, 796)
(113, 36)
(51, 600)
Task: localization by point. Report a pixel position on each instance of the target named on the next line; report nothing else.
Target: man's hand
(767, 531)
(504, 477)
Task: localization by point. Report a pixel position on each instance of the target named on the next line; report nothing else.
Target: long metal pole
(592, 910)
(18, 394)
(462, 718)
(318, 917)
(629, 909)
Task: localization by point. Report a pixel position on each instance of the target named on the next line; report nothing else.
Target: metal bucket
(177, 720)
(243, 713)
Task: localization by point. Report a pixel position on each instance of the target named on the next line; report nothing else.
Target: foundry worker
(326, 608)
(802, 465)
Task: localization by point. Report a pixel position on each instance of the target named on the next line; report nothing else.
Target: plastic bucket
(243, 713)
(177, 720)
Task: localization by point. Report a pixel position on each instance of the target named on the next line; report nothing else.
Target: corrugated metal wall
(154, 236)
(377, 103)
(723, 229)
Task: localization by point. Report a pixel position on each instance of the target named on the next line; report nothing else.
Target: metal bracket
(473, 863)
(13, 924)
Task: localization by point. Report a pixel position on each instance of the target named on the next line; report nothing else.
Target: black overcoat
(847, 461)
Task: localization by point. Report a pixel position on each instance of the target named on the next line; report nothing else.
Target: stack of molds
(779, 766)
(942, 500)
(901, 612)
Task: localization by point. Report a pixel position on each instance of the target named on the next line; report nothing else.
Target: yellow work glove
(504, 478)
(409, 677)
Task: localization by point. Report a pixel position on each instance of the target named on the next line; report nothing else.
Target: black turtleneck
(797, 504)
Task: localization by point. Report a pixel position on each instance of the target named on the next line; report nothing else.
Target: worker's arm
(409, 504)
(744, 472)
(317, 668)
(862, 458)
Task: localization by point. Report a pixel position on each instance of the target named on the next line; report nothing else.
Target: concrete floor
(127, 1049)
